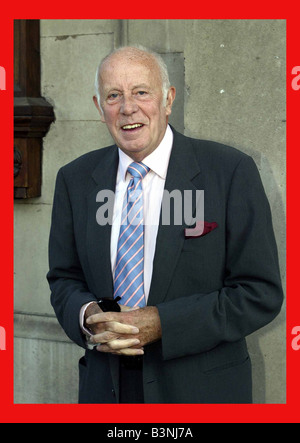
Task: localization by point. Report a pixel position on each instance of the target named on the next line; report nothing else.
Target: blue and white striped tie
(129, 272)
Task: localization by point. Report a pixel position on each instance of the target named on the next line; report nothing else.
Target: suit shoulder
(217, 151)
(217, 157)
(214, 159)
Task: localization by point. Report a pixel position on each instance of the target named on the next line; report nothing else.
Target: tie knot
(138, 170)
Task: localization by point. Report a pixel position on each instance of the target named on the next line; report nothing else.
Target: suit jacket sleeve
(67, 282)
(252, 293)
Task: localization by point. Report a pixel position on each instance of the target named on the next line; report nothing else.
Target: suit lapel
(183, 167)
(98, 237)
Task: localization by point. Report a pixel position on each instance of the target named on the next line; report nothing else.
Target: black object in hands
(109, 304)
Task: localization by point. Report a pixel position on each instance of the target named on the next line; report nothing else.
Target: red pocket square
(201, 229)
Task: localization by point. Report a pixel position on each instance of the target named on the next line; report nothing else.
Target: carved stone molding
(32, 117)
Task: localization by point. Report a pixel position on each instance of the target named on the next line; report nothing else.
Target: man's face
(132, 103)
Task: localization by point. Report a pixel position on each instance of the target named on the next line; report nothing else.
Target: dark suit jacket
(211, 291)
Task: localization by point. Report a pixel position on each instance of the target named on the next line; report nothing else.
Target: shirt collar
(157, 161)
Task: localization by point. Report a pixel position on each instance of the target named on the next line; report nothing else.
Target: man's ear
(170, 98)
(102, 118)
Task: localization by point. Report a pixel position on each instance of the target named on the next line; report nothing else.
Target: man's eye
(113, 96)
(142, 92)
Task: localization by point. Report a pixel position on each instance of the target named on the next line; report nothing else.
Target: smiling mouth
(132, 127)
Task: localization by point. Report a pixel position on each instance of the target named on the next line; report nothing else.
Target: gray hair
(159, 60)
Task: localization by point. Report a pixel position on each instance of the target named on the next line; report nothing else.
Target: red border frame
(10, 413)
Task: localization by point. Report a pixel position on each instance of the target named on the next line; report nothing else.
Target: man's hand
(125, 332)
(104, 329)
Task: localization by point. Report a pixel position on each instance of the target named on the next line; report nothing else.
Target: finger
(127, 308)
(121, 328)
(116, 327)
(104, 337)
(131, 351)
(125, 351)
(101, 318)
(119, 344)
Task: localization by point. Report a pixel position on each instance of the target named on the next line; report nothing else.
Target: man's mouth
(132, 127)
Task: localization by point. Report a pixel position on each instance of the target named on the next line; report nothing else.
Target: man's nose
(128, 105)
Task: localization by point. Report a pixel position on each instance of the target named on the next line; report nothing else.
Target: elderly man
(162, 309)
